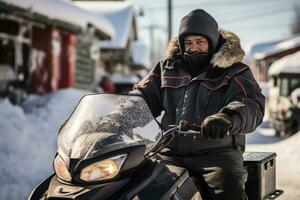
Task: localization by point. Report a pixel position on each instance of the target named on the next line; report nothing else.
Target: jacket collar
(228, 54)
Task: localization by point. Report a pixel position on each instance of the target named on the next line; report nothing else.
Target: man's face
(195, 44)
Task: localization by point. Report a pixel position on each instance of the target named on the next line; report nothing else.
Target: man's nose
(194, 48)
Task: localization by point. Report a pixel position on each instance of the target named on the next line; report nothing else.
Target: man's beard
(196, 59)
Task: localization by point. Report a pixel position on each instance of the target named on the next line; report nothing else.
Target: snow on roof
(120, 14)
(287, 64)
(141, 54)
(258, 47)
(68, 12)
(279, 47)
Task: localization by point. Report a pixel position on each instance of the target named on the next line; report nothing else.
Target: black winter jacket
(227, 86)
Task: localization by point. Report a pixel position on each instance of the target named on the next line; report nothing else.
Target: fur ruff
(230, 52)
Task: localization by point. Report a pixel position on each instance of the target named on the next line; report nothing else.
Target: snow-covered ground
(28, 140)
(28, 144)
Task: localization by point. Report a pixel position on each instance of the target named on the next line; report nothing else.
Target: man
(203, 84)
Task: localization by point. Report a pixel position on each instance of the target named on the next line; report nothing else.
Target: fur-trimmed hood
(228, 54)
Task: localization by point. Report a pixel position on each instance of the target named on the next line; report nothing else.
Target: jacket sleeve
(150, 88)
(244, 103)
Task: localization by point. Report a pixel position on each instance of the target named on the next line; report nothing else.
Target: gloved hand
(216, 126)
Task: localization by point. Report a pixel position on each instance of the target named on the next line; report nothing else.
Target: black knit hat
(199, 22)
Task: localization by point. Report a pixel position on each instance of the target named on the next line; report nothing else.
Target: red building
(42, 51)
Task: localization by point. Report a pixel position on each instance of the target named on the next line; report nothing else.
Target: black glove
(216, 126)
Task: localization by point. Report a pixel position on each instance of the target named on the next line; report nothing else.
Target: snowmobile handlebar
(167, 137)
(184, 129)
(178, 130)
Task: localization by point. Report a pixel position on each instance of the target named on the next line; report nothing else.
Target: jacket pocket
(174, 81)
(214, 85)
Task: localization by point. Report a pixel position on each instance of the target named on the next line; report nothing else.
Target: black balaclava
(198, 22)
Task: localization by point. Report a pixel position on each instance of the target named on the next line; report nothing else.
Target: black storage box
(261, 180)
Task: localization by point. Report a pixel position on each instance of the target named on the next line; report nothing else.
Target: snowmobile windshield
(105, 122)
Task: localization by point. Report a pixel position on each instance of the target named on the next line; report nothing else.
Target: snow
(121, 16)
(288, 64)
(29, 136)
(279, 47)
(258, 47)
(66, 11)
(28, 140)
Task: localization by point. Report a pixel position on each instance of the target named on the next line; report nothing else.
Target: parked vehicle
(92, 164)
(284, 95)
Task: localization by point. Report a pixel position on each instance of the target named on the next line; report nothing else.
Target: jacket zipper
(208, 98)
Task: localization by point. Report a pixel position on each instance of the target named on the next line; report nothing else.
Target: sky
(252, 21)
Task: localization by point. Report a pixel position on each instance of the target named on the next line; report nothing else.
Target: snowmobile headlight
(61, 169)
(103, 170)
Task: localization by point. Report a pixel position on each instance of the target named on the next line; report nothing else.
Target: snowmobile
(95, 161)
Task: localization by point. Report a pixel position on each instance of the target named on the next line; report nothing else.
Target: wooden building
(117, 54)
(43, 47)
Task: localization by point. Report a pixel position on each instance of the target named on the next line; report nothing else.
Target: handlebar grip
(188, 132)
(193, 132)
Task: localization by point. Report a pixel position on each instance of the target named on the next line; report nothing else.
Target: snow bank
(28, 140)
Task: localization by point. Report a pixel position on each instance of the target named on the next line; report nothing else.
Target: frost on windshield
(103, 121)
(128, 115)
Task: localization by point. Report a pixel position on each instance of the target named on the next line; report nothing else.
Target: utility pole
(152, 44)
(169, 20)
